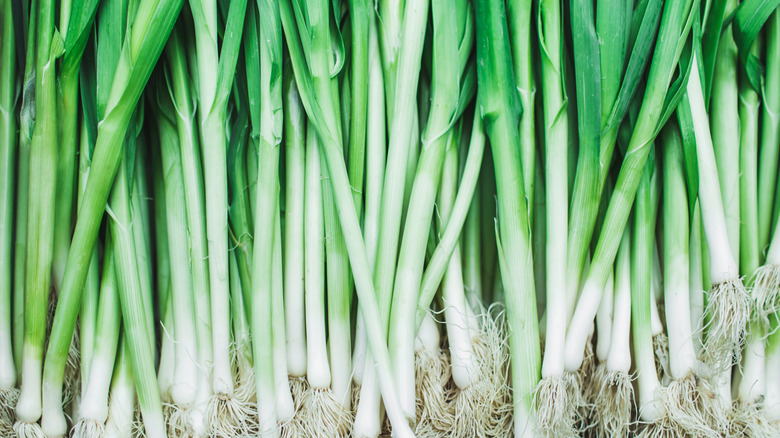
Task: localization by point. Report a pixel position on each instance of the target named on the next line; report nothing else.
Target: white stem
(7, 367)
(285, 408)
(121, 407)
(94, 405)
(773, 253)
(723, 266)
(165, 374)
(682, 356)
(696, 282)
(579, 329)
(464, 364)
(368, 421)
(655, 318)
(360, 352)
(604, 319)
(619, 358)
(772, 382)
(752, 387)
(318, 370)
(28, 408)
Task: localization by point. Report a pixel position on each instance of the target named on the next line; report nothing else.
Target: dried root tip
(663, 428)
(178, 421)
(681, 402)
(485, 408)
(8, 398)
(24, 429)
(661, 350)
(728, 304)
(556, 413)
(750, 421)
(613, 405)
(432, 373)
(138, 430)
(766, 292)
(323, 416)
(87, 428)
(227, 416)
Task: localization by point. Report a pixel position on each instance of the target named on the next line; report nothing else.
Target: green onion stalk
(266, 136)
(332, 150)
(8, 154)
(403, 81)
(184, 386)
(194, 201)
(605, 97)
(318, 371)
(122, 400)
(751, 388)
(500, 108)
(139, 53)
(452, 36)
(555, 413)
(665, 57)
(76, 22)
(74, 27)
(614, 402)
(285, 405)
(652, 410)
(520, 18)
(133, 298)
(376, 139)
(725, 128)
(26, 125)
(727, 300)
(682, 391)
(477, 344)
(329, 365)
(766, 284)
(215, 71)
(40, 222)
(294, 149)
(93, 409)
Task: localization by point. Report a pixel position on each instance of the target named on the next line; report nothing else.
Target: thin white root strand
(712, 407)
(661, 350)
(613, 405)
(750, 421)
(24, 429)
(728, 304)
(766, 293)
(323, 416)
(663, 428)
(87, 428)
(556, 411)
(226, 416)
(178, 421)
(432, 374)
(8, 398)
(681, 402)
(138, 430)
(72, 376)
(484, 409)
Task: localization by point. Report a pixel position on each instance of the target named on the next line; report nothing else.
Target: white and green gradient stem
(94, 400)
(619, 358)
(266, 138)
(317, 364)
(295, 139)
(140, 344)
(285, 409)
(376, 139)
(446, 74)
(650, 408)
(184, 386)
(213, 80)
(556, 183)
(194, 201)
(121, 408)
(662, 66)
(40, 218)
(769, 148)
(8, 154)
(725, 129)
(676, 260)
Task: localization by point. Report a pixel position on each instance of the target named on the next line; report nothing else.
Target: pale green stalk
(770, 133)
(8, 153)
(215, 75)
(40, 218)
